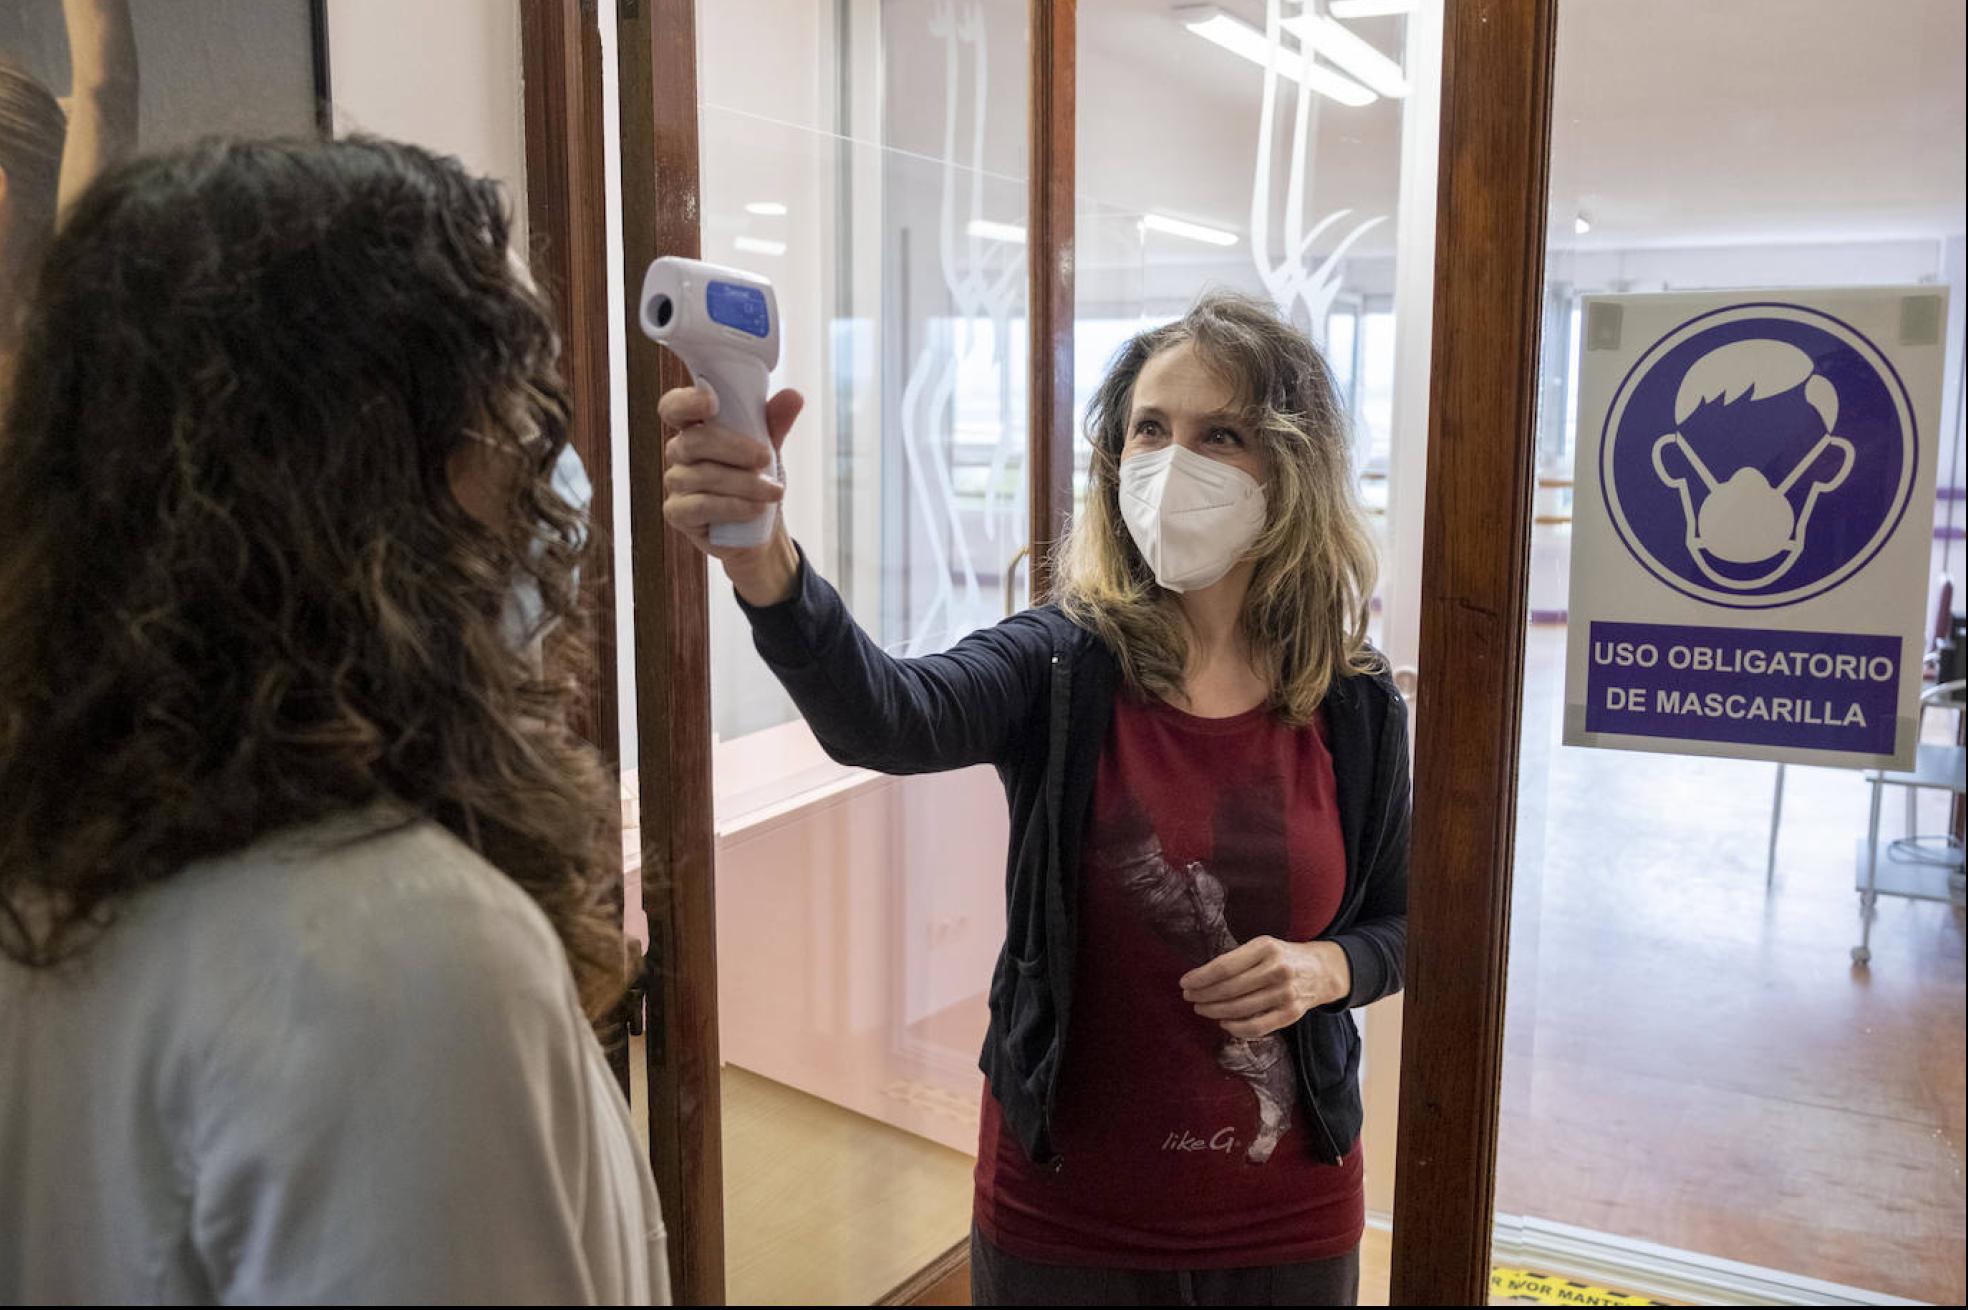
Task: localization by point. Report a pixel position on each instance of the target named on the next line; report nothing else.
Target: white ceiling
(1675, 122)
(1169, 121)
(1685, 121)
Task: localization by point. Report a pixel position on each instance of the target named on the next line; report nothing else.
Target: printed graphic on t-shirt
(1178, 1145)
(1189, 908)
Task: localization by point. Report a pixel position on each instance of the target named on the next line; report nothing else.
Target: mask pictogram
(1744, 530)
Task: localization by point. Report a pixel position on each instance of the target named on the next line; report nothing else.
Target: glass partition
(869, 157)
(1247, 147)
(1702, 1088)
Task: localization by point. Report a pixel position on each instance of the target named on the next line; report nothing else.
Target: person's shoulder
(1033, 636)
(396, 901)
(1061, 632)
(1371, 678)
(1369, 695)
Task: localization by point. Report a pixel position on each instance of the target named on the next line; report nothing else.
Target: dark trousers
(1000, 1279)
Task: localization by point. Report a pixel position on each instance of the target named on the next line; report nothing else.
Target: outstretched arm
(102, 110)
(867, 708)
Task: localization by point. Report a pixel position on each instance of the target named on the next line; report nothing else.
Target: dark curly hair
(237, 592)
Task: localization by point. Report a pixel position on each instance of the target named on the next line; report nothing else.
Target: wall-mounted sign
(1753, 523)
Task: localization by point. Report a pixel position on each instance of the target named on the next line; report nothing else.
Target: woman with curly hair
(304, 879)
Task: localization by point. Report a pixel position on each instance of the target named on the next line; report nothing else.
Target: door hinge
(624, 1021)
(637, 995)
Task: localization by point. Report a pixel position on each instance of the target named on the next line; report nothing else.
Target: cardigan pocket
(1021, 996)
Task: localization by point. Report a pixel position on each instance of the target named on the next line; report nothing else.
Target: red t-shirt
(1183, 1147)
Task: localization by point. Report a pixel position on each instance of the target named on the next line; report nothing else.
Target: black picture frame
(324, 100)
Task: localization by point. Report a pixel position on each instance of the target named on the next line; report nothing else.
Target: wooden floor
(827, 1207)
(1376, 1248)
(1689, 1062)
(1694, 1063)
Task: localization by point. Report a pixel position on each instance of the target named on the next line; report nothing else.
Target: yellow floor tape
(1531, 1288)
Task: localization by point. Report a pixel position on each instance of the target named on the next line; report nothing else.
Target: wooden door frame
(1053, 79)
(566, 210)
(1496, 97)
(657, 60)
(661, 203)
(1489, 287)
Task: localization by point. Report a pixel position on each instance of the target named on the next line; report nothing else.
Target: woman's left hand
(1266, 984)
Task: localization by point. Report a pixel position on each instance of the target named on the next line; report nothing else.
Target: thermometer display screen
(738, 306)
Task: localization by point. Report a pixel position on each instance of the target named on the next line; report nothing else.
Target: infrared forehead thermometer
(723, 324)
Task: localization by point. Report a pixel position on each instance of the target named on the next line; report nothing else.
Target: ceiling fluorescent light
(1370, 8)
(758, 246)
(1177, 227)
(1240, 38)
(984, 227)
(766, 209)
(1354, 56)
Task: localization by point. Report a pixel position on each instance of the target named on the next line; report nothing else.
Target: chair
(1915, 869)
(1937, 629)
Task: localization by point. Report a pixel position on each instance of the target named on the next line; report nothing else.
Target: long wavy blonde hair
(1305, 616)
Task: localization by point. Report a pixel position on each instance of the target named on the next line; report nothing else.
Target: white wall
(765, 117)
(1774, 263)
(441, 73)
(1771, 262)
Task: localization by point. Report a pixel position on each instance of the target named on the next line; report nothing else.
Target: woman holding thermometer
(1207, 771)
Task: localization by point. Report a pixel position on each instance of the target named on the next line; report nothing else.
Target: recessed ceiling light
(766, 209)
(1370, 8)
(1177, 227)
(759, 246)
(1581, 225)
(1240, 38)
(1354, 56)
(985, 228)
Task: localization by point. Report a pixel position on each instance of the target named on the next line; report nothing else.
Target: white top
(341, 1066)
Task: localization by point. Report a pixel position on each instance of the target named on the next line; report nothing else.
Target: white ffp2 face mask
(525, 608)
(1192, 517)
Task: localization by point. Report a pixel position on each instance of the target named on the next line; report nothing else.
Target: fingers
(1263, 1025)
(1248, 990)
(708, 443)
(1263, 977)
(699, 537)
(704, 510)
(1227, 965)
(780, 411)
(690, 409)
(1248, 1006)
(679, 407)
(720, 480)
(1256, 965)
(712, 474)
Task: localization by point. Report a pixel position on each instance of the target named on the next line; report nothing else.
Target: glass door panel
(1693, 1059)
(1314, 191)
(868, 157)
